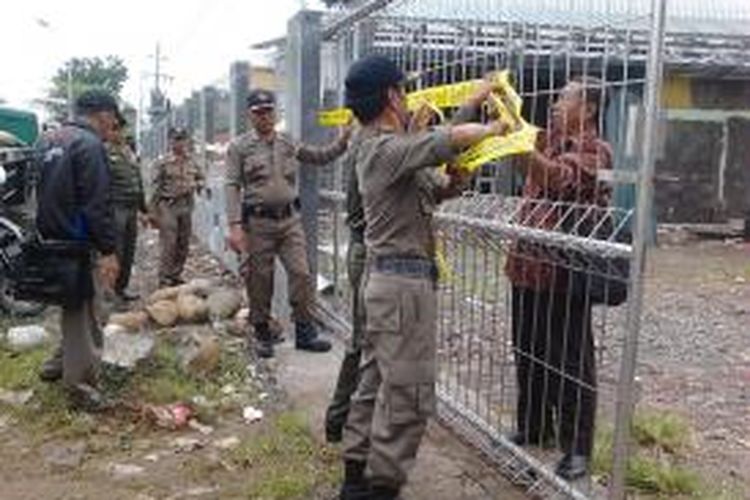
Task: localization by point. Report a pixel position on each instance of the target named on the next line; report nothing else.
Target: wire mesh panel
(535, 255)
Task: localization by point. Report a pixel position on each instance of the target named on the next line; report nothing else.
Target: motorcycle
(16, 205)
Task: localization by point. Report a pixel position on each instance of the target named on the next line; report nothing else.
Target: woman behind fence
(552, 335)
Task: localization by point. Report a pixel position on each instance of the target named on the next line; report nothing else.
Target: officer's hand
(237, 239)
(143, 219)
(109, 269)
(345, 132)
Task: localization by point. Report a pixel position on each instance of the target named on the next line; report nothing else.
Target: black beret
(261, 98)
(178, 134)
(92, 101)
(369, 75)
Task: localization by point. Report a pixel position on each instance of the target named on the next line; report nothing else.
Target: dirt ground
(694, 355)
(65, 455)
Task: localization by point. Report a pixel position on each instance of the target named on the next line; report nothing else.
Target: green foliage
(650, 475)
(654, 467)
(664, 430)
(108, 73)
(285, 460)
(47, 416)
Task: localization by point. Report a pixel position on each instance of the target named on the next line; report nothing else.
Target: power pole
(157, 106)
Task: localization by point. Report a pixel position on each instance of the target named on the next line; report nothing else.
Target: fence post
(238, 84)
(624, 403)
(302, 101)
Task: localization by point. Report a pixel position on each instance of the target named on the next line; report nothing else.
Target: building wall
(702, 173)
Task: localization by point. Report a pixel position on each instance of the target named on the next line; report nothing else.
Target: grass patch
(18, 370)
(663, 430)
(163, 380)
(654, 467)
(285, 460)
(47, 415)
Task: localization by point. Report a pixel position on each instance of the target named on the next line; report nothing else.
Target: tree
(109, 73)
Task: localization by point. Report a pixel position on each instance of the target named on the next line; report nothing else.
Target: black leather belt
(269, 212)
(405, 265)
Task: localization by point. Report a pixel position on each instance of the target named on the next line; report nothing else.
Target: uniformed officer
(128, 200)
(73, 206)
(396, 392)
(435, 186)
(176, 179)
(263, 213)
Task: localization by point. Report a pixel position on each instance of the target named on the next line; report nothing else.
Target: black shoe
(128, 296)
(355, 486)
(263, 341)
(572, 467)
(334, 432)
(383, 493)
(84, 397)
(307, 338)
(527, 439)
(51, 370)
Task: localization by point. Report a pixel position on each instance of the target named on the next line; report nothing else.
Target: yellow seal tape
(505, 103)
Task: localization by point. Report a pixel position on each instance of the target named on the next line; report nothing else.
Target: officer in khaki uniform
(396, 392)
(128, 200)
(434, 187)
(176, 178)
(263, 213)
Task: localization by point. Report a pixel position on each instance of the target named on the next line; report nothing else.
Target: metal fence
(523, 356)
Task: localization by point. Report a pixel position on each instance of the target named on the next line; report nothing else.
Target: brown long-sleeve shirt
(571, 177)
(261, 172)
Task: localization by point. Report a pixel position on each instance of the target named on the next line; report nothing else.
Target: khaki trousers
(268, 238)
(396, 392)
(175, 230)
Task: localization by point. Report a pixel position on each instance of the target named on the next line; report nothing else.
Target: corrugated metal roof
(715, 16)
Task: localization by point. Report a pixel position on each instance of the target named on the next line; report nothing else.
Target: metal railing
(483, 346)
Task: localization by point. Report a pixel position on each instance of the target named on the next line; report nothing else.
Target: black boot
(52, 369)
(355, 485)
(572, 466)
(87, 398)
(307, 338)
(383, 493)
(263, 341)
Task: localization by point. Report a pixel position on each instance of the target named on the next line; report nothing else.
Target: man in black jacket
(74, 206)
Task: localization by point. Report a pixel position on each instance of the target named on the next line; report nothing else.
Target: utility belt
(270, 212)
(406, 265)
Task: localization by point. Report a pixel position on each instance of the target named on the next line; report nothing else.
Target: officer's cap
(261, 98)
(371, 75)
(95, 100)
(178, 134)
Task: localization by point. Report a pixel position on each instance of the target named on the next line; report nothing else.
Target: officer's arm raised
(406, 153)
(320, 155)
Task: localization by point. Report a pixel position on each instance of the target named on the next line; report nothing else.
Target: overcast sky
(200, 38)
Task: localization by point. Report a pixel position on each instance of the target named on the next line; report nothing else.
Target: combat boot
(307, 338)
(355, 485)
(383, 493)
(263, 341)
(52, 369)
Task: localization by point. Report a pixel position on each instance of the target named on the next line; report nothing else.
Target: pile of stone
(199, 301)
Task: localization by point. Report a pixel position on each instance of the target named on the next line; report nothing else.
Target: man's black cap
(92, 101)
(370, 75)
(261, 98)
(178, 134)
